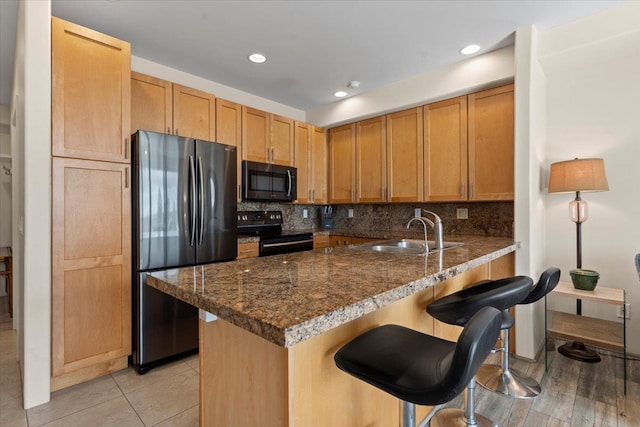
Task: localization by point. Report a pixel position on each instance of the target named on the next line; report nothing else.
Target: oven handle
(289, 177)
(296, 242)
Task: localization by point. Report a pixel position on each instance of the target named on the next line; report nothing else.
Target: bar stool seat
(419, 368)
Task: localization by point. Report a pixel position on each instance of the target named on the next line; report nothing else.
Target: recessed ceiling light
(340, 94)
(470, 50)
(257, 58)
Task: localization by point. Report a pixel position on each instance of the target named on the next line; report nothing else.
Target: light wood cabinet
(91, 94)
(194, 113)
(229, 131)
(281, 143)
(302, 136)
(337, 241)
(151, 104)
(491, 139)
(404, 156)
(318, 181)
(248, 250)
(267, 138)
(342, 156)
(255, 134)
(445, 150)
(371, 161)
(91, 270)
(321, 242)
(161, 106)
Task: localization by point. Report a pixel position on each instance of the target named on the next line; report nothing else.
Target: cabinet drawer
(247, 250)
(320, 242)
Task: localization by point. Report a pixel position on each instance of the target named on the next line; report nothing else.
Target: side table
(599, 333)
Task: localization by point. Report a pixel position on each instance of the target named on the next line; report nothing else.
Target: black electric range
(273, 239)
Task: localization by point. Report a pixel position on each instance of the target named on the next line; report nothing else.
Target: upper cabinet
(302, 137)
(318, 182)
(371, 161)
(404, 156)
(342, 164)
(267, 138)
(255, 134)
(445, 150)
(161, 106)
(90, 94)
(491, 139)
(151, 104)
(229, 131)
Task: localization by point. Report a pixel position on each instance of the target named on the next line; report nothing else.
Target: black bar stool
(419, 368)
(457, 309)
(500, 378)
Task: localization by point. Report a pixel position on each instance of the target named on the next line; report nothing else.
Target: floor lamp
(578, 175)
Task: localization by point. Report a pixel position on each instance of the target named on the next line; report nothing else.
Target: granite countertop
(289, 298)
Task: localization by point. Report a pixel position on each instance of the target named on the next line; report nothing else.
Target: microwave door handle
(289, 178)
(192, 223)
(201, 200)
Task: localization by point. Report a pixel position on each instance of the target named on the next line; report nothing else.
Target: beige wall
(592, 69)
(31, 185)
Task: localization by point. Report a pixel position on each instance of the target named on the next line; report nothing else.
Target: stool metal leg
(408, 413)
(509, 382)
(463, 418)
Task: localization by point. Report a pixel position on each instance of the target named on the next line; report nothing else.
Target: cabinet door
(371, 160)
(303, 160)
(404, 156)
(342, 152)
(91, 269)
(445, 150)
(194, 113)
(229, 131)
(318, 166)
(255, 134)
(151, 104)
(491, 139)
(91, 94)
(281, 142)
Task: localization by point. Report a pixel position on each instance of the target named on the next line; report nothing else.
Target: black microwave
(264, 181)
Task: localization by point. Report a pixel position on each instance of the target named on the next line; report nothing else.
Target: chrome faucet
(436, 224)
(424, 222)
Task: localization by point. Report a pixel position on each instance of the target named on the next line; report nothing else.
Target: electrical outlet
(417, 212)
(350, 213)
(305, 213)
(628, 311)
(462, 213)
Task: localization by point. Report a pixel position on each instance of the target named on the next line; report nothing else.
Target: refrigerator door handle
(201, 200)
(289, 186)
(192, 225)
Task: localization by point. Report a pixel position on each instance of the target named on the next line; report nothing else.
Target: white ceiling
(313, 47)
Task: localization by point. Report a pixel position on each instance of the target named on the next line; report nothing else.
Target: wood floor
(574, 394)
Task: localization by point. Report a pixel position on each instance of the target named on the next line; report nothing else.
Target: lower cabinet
(320, 242)
(91, 270)
(337, 241)
(247, 250)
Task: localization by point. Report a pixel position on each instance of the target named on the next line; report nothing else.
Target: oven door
(263, 181)
(284, 245)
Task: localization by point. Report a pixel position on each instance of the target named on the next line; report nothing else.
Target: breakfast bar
(267, 359)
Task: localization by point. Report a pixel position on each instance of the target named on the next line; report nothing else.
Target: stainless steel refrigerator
(184, 214)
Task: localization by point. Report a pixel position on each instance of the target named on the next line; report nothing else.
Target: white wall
(529, 184)
(5, 182)
(592, 68)
(463, 77)
(31, 147)
(154, 69)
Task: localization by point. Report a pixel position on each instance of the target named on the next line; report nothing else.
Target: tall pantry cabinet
(91, 204)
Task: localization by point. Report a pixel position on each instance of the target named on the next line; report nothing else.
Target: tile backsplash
(484, 218)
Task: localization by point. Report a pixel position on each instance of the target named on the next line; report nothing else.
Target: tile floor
(574, 395)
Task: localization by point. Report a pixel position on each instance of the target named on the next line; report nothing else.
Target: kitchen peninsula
(268, 359)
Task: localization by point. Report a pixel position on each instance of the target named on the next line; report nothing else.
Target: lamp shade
(578, 175)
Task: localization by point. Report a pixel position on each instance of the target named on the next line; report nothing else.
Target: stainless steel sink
(405, 246)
